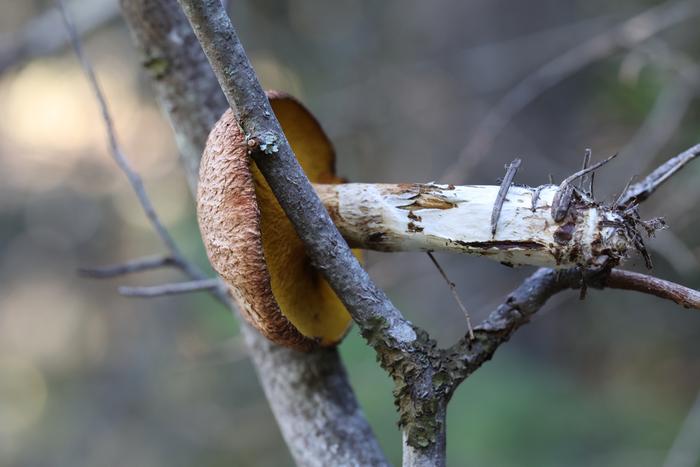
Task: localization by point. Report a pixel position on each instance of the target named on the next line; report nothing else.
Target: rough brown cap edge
(229, 221)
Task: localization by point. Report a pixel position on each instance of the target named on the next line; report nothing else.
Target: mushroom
(251, 243)
(254, 247)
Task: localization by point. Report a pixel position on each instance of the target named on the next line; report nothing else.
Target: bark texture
(313, 389)
(306, 391)
(405, 352)
(429, 217)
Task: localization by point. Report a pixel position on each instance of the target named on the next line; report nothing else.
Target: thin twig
(511, 170)
(114, 146)
(174, 288)
(453, 289)
(304, 390)
(533, 293)
(394, 338)
(618, 201)
(128, 267)
(586, 182)
(515, 311)
(628, 280)
(122, 162)
(536, 197)
(640, 191)
(119, 156)
(562, 198)
(324, 244)
(623, 35)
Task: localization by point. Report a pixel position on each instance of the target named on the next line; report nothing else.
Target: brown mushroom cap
(252, 244)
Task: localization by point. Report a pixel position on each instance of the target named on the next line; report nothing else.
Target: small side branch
(628, 280)
(175, 288)
(468, 355)
(129, 267)
(642, 190)
(453, 289)
(562, 198)
(117, 152)
(511, 170)
(305, 391)
(521, 304)
(404, 351)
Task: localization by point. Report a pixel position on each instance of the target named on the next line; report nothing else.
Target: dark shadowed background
(90, 378)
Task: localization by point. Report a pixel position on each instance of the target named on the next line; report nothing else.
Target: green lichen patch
(158, 66)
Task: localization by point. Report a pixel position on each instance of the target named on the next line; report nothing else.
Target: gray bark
(404, 351)
(310, 394)
(425, 376)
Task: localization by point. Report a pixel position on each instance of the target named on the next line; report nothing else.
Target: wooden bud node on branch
(253, 246)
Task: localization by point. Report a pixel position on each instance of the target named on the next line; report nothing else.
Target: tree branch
(468, 355)
(175, 288)
(309, 393)
(118, 154)
(128, 267)
(405, 352)
(628, 280)
(326, 247)
(521, 304)
(642, 190)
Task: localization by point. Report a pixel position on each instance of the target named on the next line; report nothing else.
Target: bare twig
(516, 310)
(586, 183)
(529, 297)
(453, 289)
(536, 197)
(325, 246)
(628, 280)
(129, 267)
(118, 155)
(640, 191)
(394, 338)
(624, 35)
(305, 390)
(114, 146)
(511, 170)
(533, 293)
(562, 198)
(175, 288)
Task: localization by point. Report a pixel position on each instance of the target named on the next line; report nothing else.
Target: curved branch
(310, 394)
(641, 191)
(628, 280)
(327, 249)
(526, 300)
(404, 351)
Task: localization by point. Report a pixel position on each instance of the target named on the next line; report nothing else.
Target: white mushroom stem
(429, 217)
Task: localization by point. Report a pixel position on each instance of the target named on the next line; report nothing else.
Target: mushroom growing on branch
(253, 246)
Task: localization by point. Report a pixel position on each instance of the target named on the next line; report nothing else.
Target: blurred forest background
(90, 378)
